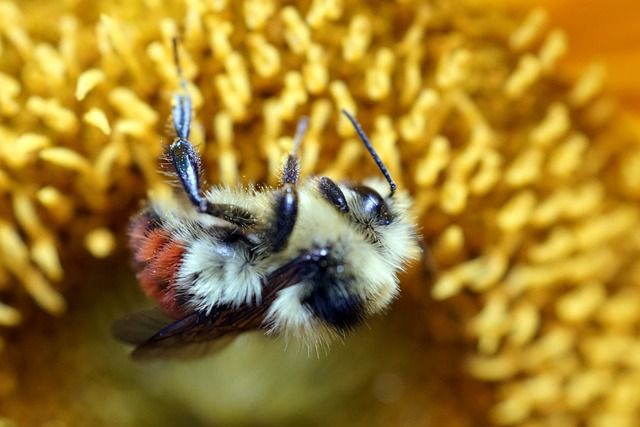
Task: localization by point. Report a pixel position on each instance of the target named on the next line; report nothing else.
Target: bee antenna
(376, 158)
(291, 167)
(181, 101)
(176, 58)
(301, 130)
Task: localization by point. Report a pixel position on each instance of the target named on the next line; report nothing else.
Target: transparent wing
(138, 327)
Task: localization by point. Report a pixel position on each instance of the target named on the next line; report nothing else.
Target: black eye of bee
(373, 204)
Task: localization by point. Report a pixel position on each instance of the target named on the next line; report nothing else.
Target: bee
(312, 258)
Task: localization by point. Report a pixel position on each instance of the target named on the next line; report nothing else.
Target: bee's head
(382, 213)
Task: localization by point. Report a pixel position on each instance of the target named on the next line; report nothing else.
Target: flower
(526, 182)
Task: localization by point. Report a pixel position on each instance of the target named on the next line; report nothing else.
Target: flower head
(526, 184)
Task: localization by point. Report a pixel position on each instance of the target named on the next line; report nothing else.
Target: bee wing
(157, 335)
(189, 337)
(138, 327)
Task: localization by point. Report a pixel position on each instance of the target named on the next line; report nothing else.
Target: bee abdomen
(157, 258)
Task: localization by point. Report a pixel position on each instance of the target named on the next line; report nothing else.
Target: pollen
(526, 180)
(100, 242)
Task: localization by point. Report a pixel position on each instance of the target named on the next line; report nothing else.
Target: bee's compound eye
(373, 204)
